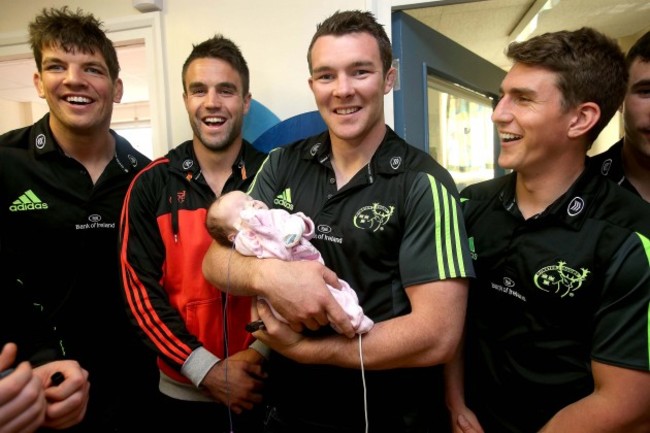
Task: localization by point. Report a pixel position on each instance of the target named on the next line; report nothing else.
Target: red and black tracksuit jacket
(163, 241)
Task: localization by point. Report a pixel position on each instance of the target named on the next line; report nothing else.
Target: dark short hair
(590, 67)
(219, 47)
(71, 31)
(215, 227)
(640, 49)
(355, 21)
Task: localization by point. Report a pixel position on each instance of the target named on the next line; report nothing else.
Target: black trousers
(191, 416)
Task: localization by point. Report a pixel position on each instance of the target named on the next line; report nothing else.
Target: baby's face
(251, 203)
(233, 203)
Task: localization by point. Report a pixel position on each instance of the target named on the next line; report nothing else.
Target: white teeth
(346, 111)
(78, 99)
(214, 120)
(509, 137)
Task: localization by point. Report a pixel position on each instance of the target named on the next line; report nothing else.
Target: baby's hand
(292, 231)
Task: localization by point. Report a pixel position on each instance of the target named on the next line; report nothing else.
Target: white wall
(13, 113)
(273, 36)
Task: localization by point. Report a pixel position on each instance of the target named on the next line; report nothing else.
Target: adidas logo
(284, 199)
(27, 201)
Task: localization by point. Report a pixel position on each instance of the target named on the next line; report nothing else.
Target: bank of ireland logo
(373, 217)
(560, 279)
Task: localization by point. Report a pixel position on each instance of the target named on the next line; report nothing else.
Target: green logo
(560, 279)
(472, 248)
(373, 217)
(284, 199)
(27, 201)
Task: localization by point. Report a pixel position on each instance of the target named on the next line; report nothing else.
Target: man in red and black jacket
(209, 376)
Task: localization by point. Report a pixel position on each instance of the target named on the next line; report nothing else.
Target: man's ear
(38, 84)
(247, 102)
(586, 116)
(391, 76)
(118, 91)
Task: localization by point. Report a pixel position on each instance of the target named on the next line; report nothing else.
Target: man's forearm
(228, 270)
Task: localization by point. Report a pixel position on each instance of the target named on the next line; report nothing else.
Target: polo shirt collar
(41, 140)
(572, 208)
(388, 158)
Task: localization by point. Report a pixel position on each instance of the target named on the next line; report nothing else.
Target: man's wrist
(198, 364)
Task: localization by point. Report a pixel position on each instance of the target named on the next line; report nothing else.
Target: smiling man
(62, 183)
(388, 222)
(206, 367)
(557, 320)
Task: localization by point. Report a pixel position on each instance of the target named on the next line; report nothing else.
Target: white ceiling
(482, 26)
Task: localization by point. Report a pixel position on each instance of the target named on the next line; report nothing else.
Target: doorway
(445, 99)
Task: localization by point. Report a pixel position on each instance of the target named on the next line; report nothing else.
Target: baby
(255, 230)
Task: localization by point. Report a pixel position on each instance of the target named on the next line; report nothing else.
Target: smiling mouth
(214, 121)
(347, 110)
(78, 100)
(507, 137)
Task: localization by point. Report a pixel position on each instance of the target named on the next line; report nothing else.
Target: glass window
(461, 132)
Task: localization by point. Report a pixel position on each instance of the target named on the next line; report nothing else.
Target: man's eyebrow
(196, 85)
(96, 64)
(362, 63)
(641, 83)
(357, 64)
(227, 85)
(322, 69)
(520, 91)
(51, 59)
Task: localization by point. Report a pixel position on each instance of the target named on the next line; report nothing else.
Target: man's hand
(22, 400)
(66, 402)
(462, 423)
(299, 292)
(276, 334)
(237, 381)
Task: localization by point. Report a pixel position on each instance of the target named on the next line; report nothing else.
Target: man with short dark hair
(209, 377)
(62, 183)
(557, 322)
(388, 222)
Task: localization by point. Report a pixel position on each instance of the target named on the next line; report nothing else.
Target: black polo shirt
(610, 164)
(395, 224)
(58, 248)
(552, 293)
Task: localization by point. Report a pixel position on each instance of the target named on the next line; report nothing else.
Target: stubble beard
(219, 143)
